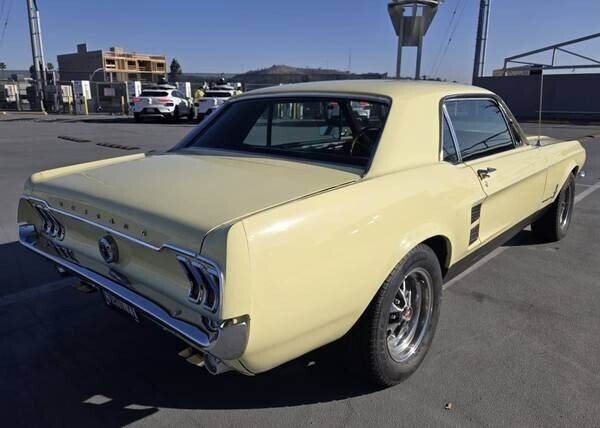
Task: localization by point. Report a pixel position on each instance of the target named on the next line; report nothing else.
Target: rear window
(215, 94)
(154, 94)
(326, 129)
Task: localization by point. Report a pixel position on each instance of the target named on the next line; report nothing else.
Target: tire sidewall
(390, 370)
(561, 231)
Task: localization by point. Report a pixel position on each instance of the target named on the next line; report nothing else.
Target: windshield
(213, 94)
(331, 130)
(154, 94)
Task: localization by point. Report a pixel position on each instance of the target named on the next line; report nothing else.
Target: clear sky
(238, 35)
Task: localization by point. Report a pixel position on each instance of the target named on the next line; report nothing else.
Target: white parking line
(580, 197)
(586, 192)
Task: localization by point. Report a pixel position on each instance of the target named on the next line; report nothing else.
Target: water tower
(411, 20)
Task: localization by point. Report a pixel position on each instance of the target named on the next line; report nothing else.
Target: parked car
(164, 103)
(290, 220)
(212, 100)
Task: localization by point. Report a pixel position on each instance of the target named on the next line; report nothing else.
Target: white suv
(212, 100)
(162, 102)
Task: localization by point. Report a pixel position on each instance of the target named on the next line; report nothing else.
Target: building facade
(114, 65)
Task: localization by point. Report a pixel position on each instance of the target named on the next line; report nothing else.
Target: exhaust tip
(192, 356)
(214, 365)
(85, 287)
(62, 271)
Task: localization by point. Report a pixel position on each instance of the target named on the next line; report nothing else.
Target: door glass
(480, 128)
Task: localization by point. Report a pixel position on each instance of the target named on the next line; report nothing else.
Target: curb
(40, 113)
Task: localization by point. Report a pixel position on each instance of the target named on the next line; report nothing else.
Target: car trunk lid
(178, 198)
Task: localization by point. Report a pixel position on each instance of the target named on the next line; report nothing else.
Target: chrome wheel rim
(410, 315)
(564, 207)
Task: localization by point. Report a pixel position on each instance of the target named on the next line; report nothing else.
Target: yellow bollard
(85, 106)
(123, 105)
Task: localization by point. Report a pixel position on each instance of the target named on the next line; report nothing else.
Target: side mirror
(329, 131)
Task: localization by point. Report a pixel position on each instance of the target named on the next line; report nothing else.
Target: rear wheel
(176, 117)
(555, 222)
(396, 331)
(199, 117)
(137, 117)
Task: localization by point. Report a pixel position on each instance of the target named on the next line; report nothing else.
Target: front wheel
(191, 114)
(555, 222)
(396, 331)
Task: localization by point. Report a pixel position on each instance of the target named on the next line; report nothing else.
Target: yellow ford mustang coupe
(299, 214)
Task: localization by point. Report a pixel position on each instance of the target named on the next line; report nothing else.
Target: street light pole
(94, 72)
(411, 29)
(399, 59)
(36, 51)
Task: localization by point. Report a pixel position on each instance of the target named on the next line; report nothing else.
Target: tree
(2, 66)
(175, 70)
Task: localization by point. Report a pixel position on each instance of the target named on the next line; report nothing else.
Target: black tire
(192, 114)
(200, 117)
(176, 117)
(554, 223)
(137, 117)
(370, 337)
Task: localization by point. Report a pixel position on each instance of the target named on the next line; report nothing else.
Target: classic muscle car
(290, 219)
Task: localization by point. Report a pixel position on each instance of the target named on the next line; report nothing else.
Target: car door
(512, 174)
(180, 101)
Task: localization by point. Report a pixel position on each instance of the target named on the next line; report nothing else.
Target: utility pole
(482, 36)
(37, 52)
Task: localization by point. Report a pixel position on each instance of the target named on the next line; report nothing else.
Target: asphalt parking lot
(518, 341)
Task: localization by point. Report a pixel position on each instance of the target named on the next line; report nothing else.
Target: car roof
(395, 89)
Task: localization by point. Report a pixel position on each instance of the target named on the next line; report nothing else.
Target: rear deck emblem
(108, 249)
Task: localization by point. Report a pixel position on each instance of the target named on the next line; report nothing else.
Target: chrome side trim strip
(228, 342)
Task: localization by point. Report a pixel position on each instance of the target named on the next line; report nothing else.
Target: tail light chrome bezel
(50, 225)
(205, 282)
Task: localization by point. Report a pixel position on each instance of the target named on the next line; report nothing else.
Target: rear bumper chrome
(228, 342)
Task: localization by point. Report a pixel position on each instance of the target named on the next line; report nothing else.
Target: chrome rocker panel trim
(228, 343)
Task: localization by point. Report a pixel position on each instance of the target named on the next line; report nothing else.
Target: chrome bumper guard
(228, 343)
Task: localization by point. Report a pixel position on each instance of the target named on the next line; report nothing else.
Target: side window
(480, 127)
(448, 148)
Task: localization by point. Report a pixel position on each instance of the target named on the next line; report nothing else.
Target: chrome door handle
(485, 173)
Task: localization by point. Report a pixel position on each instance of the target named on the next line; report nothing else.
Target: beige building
(116, 65)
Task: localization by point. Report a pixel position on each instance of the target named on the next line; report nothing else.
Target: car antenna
(539, 69)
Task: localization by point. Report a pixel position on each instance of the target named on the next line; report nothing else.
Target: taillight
(164, 100)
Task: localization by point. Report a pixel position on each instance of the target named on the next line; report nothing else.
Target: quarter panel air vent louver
(475, 213)
(474, 235)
